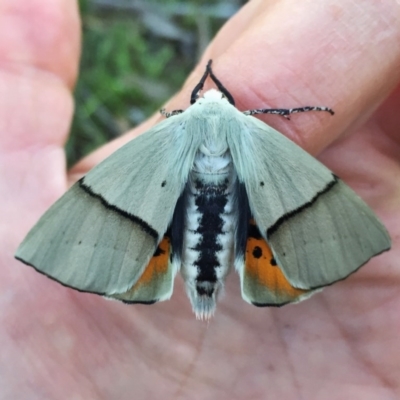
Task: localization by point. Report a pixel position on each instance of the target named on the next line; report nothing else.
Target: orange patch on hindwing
(156, 280)
(261, 267)
(158, 264)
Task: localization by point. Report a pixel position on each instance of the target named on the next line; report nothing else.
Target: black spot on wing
(257, 252)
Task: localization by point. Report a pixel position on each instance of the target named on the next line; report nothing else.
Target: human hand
(59, 343)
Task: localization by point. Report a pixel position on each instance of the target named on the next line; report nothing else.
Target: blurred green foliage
(135, 55)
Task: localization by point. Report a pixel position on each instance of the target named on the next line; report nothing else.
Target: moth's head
(213, 95)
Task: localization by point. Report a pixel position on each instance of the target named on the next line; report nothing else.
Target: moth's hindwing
(263, 282)
(156, 281)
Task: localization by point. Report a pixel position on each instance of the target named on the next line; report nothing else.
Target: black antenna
(219, 85)
(200, 85)
(285, 112)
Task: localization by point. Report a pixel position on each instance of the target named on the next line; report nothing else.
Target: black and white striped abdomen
(210, 221)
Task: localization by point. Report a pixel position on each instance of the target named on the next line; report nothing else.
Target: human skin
(343, 343)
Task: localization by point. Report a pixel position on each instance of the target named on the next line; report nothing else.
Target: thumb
(39, 47)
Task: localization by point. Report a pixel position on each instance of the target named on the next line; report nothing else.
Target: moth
(207, 189)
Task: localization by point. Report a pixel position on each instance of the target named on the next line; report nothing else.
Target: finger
(331, 53)
(39, 47)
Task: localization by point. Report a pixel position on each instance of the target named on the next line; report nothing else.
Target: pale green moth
(206, 189)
